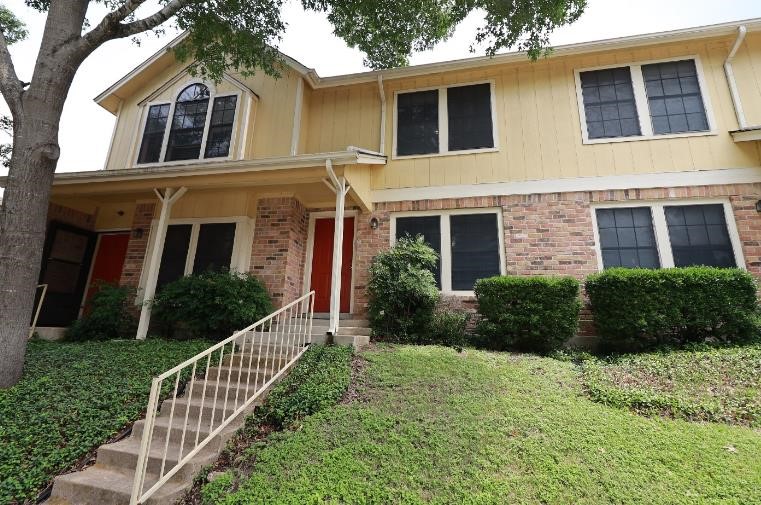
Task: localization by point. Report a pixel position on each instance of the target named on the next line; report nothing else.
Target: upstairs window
(191, 134)
(642, 101)
(445, 120)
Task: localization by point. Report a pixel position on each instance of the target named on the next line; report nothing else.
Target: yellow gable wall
(270, 119)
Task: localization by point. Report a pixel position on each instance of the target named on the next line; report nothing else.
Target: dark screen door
(65, 265)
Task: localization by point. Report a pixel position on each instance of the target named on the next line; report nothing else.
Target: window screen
(220, 127)
(188, 123)
(430, 228)
(153, 135)
(475, 249)
(609, 104)
(627, 238)
(417, 123)
(175, 254)
(673, 94)
(470, 121)
(215, 247)
(699, 235)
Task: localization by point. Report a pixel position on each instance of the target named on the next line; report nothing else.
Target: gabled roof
(111, 97)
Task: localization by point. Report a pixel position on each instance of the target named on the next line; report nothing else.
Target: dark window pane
(470, 121)
(188, 123)
(609, 96)
(175, 254)
(153, 135)
(627, 238)
(417, 123)
(215, 247)
(699, 235)
(221, 127)
(673, 94)
(475, 249)
(430, 228)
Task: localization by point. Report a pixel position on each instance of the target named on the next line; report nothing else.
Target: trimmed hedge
(527, 313)
(210, 305)
(637, 309)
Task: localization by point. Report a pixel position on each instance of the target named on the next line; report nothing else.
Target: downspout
(733, 91)
(382, 148)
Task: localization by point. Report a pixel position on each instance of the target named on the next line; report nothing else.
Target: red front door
(322, 263)
(109, 260)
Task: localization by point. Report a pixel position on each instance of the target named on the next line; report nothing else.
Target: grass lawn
(71, 398)
(426, 425)
(708, 384)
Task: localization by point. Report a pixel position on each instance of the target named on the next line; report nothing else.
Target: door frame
(314, 216)
(109, 231)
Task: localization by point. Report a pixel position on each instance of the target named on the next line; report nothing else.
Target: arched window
(188, 137)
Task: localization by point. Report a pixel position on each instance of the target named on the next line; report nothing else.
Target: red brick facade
(550, 233)
(279, 247)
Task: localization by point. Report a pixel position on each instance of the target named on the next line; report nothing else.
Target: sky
(86, 128)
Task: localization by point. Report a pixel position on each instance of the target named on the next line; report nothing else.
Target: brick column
(279, 247)
(137, 246)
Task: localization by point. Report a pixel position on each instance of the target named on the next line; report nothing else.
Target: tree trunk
(23, 220)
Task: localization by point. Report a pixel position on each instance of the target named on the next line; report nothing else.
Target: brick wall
(552, 233)
(137, 246)
(70, 216)
(279, 247)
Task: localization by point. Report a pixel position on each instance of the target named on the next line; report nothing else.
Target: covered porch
(292, 222)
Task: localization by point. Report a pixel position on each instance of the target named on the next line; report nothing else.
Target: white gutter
(382, 149)
(733, 91)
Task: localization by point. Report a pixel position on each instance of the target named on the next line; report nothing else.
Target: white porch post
(167, 200)
(340, 188)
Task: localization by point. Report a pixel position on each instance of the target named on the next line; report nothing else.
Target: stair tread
(116, 480)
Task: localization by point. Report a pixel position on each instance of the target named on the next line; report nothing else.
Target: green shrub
(536, 314)
(210, 305)
(449, 328)
(109, 315)
(637, 309)
(403, 292)
(319, 380)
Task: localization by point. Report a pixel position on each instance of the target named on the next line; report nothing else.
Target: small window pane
(417, 123)
(696, 242)
(609, 96)
(215, 247)
(673, 93)
(153, 135)
(475, 249)
(220, 127)
(430, 228)
(470, 121)
(175, 254)
(627, 238)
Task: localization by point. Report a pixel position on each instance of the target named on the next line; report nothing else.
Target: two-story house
(638, 151)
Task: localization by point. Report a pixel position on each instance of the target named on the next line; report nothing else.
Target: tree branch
(10, 85)
(111, 26)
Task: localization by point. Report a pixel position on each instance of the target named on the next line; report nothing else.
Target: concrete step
(102, 485)
(221, 373)
(208, 409)
(354, 330)
(271, 359)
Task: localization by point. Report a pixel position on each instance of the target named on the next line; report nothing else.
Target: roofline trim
(352, 156)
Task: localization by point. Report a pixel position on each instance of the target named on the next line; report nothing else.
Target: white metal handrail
(271, 346)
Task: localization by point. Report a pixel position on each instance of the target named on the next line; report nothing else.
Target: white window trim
(640, 99)
(168, 128)
(327, 214)
(444, 121)
(242, 243)
(660, 229)
(446, 241)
